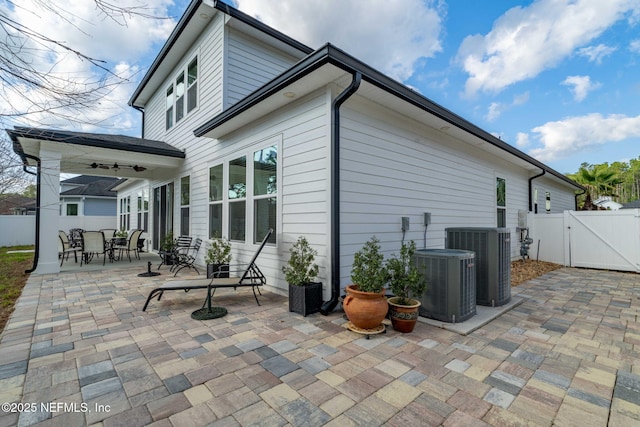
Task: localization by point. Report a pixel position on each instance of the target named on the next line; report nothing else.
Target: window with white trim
(265, 192)
(216, 193)
(501, 201)
(143, 209)
(237, 195)
(125, 212)
(185, 84)
(185, 200)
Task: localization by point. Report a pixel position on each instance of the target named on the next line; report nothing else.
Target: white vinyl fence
(591, 239)
(18, 230)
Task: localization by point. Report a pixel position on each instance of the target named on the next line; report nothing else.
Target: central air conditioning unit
(493, 261)
(451, 284)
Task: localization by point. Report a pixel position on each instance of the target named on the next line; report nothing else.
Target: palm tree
(599, 180)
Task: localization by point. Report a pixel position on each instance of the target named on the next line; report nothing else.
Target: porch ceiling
(79, 151)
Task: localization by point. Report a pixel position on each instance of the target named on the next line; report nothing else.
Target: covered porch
(52, 152)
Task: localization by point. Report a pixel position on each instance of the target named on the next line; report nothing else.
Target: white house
(246, 129)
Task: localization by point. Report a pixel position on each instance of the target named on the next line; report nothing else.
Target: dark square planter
(212, 268)
(305, 299)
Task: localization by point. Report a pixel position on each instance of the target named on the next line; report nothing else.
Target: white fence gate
(591, 239)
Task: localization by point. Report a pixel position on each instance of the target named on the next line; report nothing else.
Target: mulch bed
(530, 269)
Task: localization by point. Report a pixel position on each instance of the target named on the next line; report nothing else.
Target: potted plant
(365, 304)
(121, 237)
(305, 295)
(218, 257)
(405, 281)
(167, 249)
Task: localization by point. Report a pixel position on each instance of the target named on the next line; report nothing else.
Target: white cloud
(495, 110)
(527, 40)
(522, 139)
(596, 53)
(581, 86)
(634, 46)
(390, 35)
(562, 138)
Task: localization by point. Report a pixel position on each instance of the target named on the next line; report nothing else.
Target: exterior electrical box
(493, 261)
(451, 284)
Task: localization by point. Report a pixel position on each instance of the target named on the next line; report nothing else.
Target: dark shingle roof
(86, 179)
(97, 188)
(116, 142)
(631, 205)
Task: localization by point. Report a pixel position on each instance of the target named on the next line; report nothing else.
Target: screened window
(180, 97)
(216, 192)
(184, 85)
(192, 85)
(169, 108)
(501, 202)
(237, 198)
(185, 196)
(265, 179)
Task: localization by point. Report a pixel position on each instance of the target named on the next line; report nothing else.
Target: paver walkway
(79, 351)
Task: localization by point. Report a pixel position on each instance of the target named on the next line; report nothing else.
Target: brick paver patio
(79, 351)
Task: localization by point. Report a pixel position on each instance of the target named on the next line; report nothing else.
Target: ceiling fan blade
(139, 168)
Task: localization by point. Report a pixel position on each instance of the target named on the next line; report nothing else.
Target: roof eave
(330, 54)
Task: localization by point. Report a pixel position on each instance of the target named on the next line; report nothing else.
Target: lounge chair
(251, 276)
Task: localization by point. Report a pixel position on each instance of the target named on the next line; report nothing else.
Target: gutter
(328, 306)
(36, 252)
(530, 187)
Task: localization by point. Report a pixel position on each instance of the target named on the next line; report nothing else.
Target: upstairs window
(192, 85)
(169, 105)
(186, 82)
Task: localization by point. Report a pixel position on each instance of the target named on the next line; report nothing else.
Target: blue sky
(559, 79)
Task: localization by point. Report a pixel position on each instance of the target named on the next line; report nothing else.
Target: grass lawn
(12, 278)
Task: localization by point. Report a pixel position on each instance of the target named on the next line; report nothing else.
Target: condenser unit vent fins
(451, 284)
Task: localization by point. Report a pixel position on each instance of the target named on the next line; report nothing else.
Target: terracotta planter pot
(403, 317)
(366, 310)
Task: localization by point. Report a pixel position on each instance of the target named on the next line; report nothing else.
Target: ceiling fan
(116, 167)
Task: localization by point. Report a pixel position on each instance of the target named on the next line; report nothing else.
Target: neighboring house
(246, 129)
(86, 195)
(15, 204)
(608, 204)
(631, 205)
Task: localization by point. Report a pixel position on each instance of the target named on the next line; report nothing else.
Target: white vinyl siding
(393, 167)
(250, 64)
(561, 199)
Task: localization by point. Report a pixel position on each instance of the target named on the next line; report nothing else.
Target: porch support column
(49, 212)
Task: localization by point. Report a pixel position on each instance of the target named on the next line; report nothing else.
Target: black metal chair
(186, 257)
(169, 256)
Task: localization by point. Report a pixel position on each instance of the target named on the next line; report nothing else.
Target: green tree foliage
(619, 180)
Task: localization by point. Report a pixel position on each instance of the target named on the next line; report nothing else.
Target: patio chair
(108, 233)
(171, 254)
(251, 276)
(93, 243)
(65, 248)
(75, 236)
(131, 245)
(187, 257)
